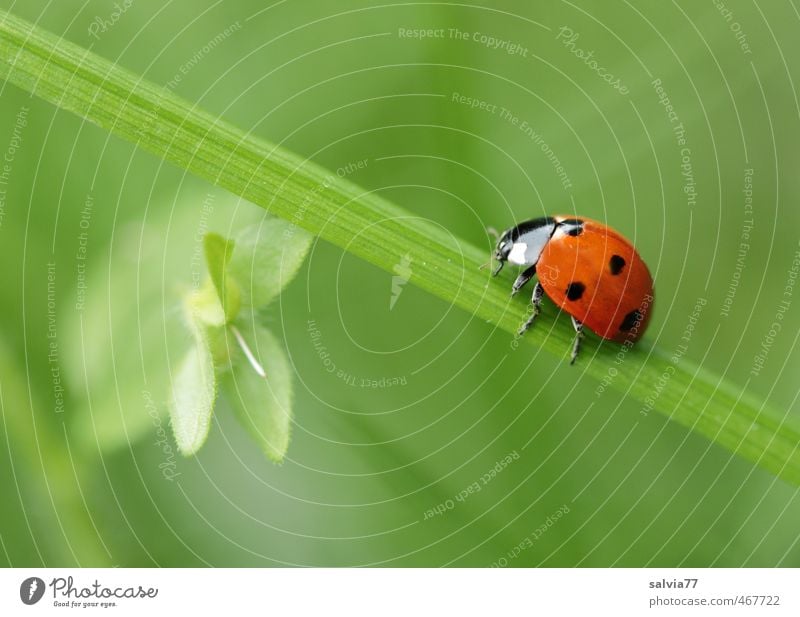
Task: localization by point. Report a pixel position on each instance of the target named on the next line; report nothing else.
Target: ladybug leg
(523, 279)
(576, 346)
(536, 301)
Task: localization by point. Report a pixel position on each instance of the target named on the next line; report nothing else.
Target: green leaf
(218, 252)
(194, 391)
(262, 405)
(130, 333)
(267, 257)
(205, 305)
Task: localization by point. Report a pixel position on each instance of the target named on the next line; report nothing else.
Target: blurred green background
(87, 475)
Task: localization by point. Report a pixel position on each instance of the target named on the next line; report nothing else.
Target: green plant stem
(370, 227)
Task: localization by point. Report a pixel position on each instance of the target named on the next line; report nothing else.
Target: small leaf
(205, 305)
(194, 391)
(267, 257)
(262, 405)
(218, 252)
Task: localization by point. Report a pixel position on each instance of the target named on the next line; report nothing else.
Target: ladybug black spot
(616, 264)
(631, 319)
(575, 291)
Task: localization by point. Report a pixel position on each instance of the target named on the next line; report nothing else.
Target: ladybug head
(523, 244)
(504, 245)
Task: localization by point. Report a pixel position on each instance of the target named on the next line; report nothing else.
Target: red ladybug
(588, 269)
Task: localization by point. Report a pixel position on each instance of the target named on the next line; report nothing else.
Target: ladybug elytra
(586, 268)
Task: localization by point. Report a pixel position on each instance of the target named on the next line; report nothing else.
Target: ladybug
(589, 270)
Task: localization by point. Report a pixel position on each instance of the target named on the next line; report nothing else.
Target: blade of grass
(307, 195)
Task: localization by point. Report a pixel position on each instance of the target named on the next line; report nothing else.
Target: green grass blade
(304, 194)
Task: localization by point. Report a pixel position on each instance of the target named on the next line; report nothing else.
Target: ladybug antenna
(496, 271)
(493, 233)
